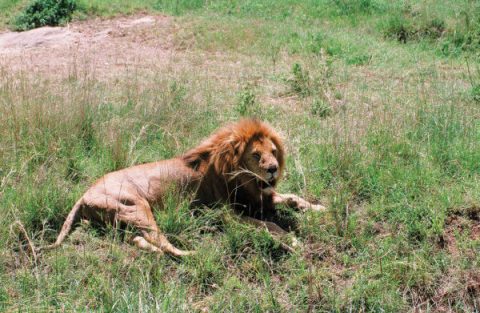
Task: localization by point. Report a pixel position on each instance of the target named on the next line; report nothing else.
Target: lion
(238, 165)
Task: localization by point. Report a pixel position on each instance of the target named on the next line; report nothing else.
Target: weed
(300, 83)
(349, 7)
(475, 92)
(474, 77)
(177, 7)
(359, 59)
(320, 108)
(87, 131)
(176, 94)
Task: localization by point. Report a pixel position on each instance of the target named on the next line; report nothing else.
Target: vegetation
(378, 102)
(45, 13)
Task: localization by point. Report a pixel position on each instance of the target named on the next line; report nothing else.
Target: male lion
(238, 165)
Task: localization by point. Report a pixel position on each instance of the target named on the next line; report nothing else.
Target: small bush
(413, 26)
(45, 12)
(433, 28)
(318, 43)
(247, 104)
(397, 27)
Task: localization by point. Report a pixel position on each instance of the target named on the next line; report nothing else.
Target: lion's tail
(72, 218)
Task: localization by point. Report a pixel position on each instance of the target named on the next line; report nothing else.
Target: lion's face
(261, 157)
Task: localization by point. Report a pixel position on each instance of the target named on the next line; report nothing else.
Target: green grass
(9, 9)
(385, 133)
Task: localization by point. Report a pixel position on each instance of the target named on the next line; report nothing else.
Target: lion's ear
(198, 158)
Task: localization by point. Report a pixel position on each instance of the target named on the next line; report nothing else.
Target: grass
(385, 133)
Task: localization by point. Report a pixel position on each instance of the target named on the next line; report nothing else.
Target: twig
(24, 232)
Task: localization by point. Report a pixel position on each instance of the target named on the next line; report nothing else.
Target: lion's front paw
(296, 243)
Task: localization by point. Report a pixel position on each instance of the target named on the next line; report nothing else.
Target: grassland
(378, 102)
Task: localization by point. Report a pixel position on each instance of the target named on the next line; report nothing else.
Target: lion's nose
(272, 169)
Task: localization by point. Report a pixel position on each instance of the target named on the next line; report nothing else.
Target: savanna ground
(379, 105)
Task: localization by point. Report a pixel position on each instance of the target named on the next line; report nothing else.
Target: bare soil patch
(103, 45)
(465, 222)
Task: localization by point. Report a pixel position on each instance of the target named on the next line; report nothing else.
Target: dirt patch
(461, 223)
(456, 286)
(103, 45)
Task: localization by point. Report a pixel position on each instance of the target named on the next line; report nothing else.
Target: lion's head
(248, 154)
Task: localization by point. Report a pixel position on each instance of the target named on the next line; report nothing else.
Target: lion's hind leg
(156, 238)
(139, 214)
(143, 244)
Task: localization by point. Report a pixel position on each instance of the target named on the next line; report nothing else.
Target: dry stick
(23, 230)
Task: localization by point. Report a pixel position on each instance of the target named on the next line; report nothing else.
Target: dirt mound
(104, 45)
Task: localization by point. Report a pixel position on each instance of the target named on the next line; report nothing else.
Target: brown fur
(238, 165)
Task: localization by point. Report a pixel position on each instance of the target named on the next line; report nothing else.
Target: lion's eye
(274, 152)
(256, 156)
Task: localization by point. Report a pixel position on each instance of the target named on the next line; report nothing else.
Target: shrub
(247, 104)
(433, 28)
(397, 27)
(45, 12)
(407, 26)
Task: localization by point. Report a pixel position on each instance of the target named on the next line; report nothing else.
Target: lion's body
(225, 168)
(140, 185)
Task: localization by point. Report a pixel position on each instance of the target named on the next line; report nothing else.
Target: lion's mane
(219, 157)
